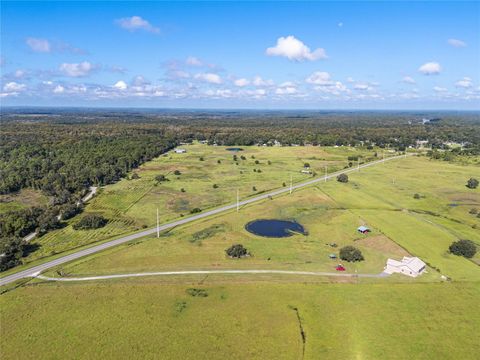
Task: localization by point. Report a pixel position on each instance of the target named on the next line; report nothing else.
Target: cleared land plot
(330, 213)
(131, 204)
(23, 199)
(150, 319)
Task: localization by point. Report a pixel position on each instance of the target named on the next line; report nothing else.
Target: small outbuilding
(180, 151)
(363, 229)
(410, 266)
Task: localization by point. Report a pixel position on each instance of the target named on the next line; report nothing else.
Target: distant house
(363, 229)
(180, 151)
(410, 266)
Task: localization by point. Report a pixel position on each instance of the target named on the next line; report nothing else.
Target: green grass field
(241, 320)
(131, 205)
(261, 316)
(21, 200)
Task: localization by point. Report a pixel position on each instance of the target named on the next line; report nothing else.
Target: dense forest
(62, 152)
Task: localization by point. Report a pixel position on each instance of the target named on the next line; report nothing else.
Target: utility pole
(291, 183)
(238, 202)
(158, 226)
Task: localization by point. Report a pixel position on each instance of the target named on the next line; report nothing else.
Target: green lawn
(148, 318)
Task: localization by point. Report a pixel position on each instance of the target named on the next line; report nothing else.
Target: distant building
(363, 229)
(410, 266)
(180, 151)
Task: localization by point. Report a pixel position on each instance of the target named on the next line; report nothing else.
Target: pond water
(234, 149)
(274, 228)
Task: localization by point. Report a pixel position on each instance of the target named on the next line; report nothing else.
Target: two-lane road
(35, 270)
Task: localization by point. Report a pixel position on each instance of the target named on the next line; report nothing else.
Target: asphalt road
(35, 270)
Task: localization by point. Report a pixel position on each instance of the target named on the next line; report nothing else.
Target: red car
(340, 268)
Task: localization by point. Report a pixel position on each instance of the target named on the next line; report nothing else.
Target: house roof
(363, 228)
(413, 263)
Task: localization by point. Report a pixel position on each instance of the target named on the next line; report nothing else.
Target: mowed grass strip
(147, 319)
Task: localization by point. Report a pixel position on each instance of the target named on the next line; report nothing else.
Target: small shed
(363, 229)
(180, 151)
(410, 266)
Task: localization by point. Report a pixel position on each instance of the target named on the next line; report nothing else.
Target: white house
(410, 266)
(180, 151)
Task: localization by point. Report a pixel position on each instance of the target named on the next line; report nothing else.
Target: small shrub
(351, 254)
(197, 292)
(473, 211)
(243, 157)
(237, 251)
(90, 222)
(257, 162)
(201, 158)
(182, 190)
(195, 210)
(177, 172)
(465, 248)
(269, 162)
(416, 196)
(135, 176)
(215, 186)
(254, 188)
(306, 165)
(259, 171)
(343, 178)
(472, 183)
(283, 184)
(161, 178)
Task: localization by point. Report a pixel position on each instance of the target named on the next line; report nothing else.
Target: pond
(274, 228)
(234, 149)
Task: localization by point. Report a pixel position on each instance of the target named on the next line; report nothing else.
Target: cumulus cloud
(209, 77)
(76, 69)
(59, 89)
(135, 23)
(193, 61)
(466, 82)
(430, 68)
(319, 78)
(294, 49)
(408, 80)
(439, 89)
(39, 45)
(260, 82)
(241, 82)
(13, 87)
(361, 87)
(120, 85)
(457, 43)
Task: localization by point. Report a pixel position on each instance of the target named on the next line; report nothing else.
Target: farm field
(131, 204)
(330, 212)
(153, 318)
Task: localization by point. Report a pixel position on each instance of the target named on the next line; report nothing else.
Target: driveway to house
(35, 270)
(209, 272)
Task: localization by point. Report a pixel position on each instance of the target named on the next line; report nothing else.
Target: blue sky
(316, 55)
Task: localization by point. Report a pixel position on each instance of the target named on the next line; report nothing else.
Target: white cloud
(288, 90)
(350, 79)
(440, 89)
(59, 89)
(241, 82)
(209, 77)
(294, 49)
(259, 81)
(466, 82)
(120, 85)
(361, 87)
(408, 80)
(430, 68)
(13, 87)
(193, 61)
(76, 69)
(340, 24)
(319, 78)
(457, 43)
(137, 23)
(39, 45)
